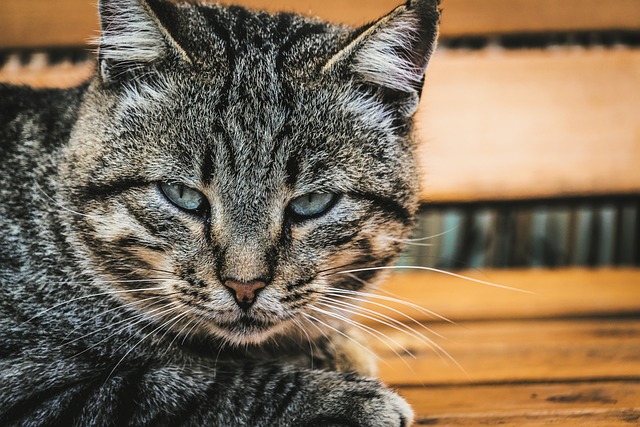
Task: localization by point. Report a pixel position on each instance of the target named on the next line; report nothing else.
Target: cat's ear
(393, 52)
(133, 35)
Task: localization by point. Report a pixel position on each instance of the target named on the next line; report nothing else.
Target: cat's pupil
(182, 196)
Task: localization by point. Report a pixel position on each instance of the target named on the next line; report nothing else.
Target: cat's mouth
(248, 329)
(247, 322)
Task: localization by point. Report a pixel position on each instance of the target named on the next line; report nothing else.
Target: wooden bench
(529, 103)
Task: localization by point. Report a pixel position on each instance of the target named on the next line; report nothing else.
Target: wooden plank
(560, 293)
(531, 123)
(567, 404)
(74, 22)
(38, 73)
(473, 17)
(36, 23)
(605, 418)
(488, 353)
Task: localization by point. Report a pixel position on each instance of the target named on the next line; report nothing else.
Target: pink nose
(245, 292)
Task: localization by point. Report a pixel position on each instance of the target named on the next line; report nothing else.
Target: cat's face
(238, 180)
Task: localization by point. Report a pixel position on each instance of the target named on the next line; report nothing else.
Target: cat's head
(233, 165)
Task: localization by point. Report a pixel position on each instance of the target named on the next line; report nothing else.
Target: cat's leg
(230, 395)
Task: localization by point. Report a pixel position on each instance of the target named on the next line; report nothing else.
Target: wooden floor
(521, 359)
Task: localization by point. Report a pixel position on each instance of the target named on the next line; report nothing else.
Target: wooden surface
(515, 364)
(39, 73)
(570, 292)
(531, 123)
(607, 403)
(28, 23)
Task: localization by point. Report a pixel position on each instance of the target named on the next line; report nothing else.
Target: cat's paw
(388, 409)
(363, 402)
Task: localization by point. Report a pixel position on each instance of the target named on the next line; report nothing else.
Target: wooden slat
(74, 22)
(38, 73)
(530, 123)
(473, 17)
(554, 293)
(515, 352)
(34, 23)
(567, 404)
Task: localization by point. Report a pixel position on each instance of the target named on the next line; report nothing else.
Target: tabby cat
(179, 231)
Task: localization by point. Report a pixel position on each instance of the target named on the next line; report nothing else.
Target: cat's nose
(245, 292)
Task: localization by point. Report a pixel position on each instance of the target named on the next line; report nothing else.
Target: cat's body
(175, 232)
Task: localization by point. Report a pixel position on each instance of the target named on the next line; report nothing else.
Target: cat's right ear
(392, 53)
(132, 37)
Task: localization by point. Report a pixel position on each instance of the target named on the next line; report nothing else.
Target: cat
(181, 231)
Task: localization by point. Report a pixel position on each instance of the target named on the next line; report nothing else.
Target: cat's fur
(112, 304)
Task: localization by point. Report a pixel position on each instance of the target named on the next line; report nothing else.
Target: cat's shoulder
(37, 114)
(16, 101)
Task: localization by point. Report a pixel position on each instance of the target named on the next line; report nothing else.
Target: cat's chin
(247, 330)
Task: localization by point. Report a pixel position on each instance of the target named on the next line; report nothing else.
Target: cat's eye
(312, 205)
(183, 197)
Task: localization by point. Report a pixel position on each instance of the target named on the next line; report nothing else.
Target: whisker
(436, 270)
(384, 316)
(415, 306)
(368, 298)
(195, 325)
(369, 330)
(90, 296)
(301, 327)
(410, 243)
(178, 318)
(337, 267)
(309, 316)
(439, 350)
(119, 307)
(433, 236)
(61, 206)
(183, 328)
(374, 332)
(144, 338)
(139, 318)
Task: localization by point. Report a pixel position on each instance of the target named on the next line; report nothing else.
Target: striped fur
(113, 304)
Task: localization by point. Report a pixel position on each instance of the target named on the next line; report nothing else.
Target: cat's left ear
(393, 52)
(133, 35)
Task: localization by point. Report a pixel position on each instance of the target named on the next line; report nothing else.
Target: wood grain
(39, 74)
(74, 22)
(561, 293)
(508, 351)
(566, 404)
(521, 373)
(530, 123)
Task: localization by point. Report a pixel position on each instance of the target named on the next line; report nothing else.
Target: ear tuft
(393, 52)
(386, 59)
(130, 35)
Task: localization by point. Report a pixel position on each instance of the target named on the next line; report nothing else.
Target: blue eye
(182, 196)
(312, 205)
